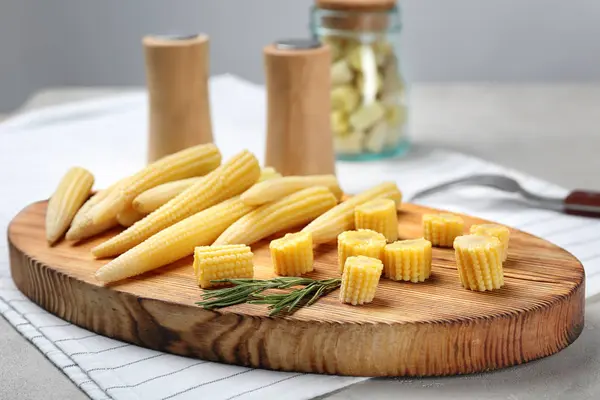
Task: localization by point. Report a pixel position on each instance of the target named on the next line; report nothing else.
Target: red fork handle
(583, 202)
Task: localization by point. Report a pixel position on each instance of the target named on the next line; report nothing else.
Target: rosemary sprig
(250, 291)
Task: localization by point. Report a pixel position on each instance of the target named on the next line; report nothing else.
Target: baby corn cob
(268, 173)
(82, 226)
(407, 260)
(222, 262)
(360, 279)
(293, 210)
(379, 215)
(129, 216)
(155, 197)
(479, 262)
(228, 180)
(175, 242)
(70, 195)
(499, 231)
(328, 226)
(292, 255)
(193, 161)
(362, 242)
(275, 189)
(159, 195)
(442, 229)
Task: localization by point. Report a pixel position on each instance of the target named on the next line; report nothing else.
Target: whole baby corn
(230, 179)
(222, 262)
(291, 211)
(175, 241)
(193, 161)
(379, 215)
(362, 242)
(71, 193)
(157, 196)
(292, 255)
(360, 279)
(479, 262)
(275, 189)
(129, 216)
(499, 231)
(328, 226)
(154, 198)
(83, 226)
(442, 229)
(407, 260)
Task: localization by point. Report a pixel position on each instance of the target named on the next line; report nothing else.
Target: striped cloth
(49, 141)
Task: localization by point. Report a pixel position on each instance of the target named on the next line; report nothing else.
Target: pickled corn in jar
(368, 99)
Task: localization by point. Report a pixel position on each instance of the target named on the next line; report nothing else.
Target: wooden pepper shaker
(299, 138)
(177, 70)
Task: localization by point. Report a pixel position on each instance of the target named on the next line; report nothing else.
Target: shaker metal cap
(297, 44)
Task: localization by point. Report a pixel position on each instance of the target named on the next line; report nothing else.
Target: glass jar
(369, 107)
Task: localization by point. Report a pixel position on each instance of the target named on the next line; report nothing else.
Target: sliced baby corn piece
(175, 241)
(291, 211)
(129, 216)
(82, 226)
(407, 260)
(71, 193)
(479, 262)
(379, 215)
(328, 226)
(275, 189)
(362, 242)
(193, 161)
(155, 197)
(442, 229)
(292, 255)
(360, 279)
(499, 231)
(222, 262)
(228, 180)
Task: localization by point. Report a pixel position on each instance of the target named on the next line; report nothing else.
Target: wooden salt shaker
(299, 138)
(177, 70)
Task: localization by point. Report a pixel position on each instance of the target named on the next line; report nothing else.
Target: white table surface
(550, 131)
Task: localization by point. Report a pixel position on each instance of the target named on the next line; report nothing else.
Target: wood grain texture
(177, 72)
(299, 137)
(410, 329)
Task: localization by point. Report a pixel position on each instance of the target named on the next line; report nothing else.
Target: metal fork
(578, 202)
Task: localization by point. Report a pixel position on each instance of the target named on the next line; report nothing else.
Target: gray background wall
(87, 43)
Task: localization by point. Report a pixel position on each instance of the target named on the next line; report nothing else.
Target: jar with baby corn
(368, 90)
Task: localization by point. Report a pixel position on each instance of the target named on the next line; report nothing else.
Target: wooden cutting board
(410, 329)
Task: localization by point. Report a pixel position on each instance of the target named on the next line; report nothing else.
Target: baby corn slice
(268, 173)
(362, 242)
(275, 189)
(360, 279)
(222, 262)
(71, 193)
(292, 255)
(328, 226)
(293, 210)
(155, 197)
(193, 161)
(228, 180)
(129, 216)
(499, 231)
(175, 242)
(442, 229)
(479, 262)
(379, 215)
(407, 260)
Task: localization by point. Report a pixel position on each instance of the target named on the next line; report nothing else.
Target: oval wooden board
(430, 328)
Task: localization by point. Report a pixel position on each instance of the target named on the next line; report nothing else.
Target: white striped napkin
(49, 141)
